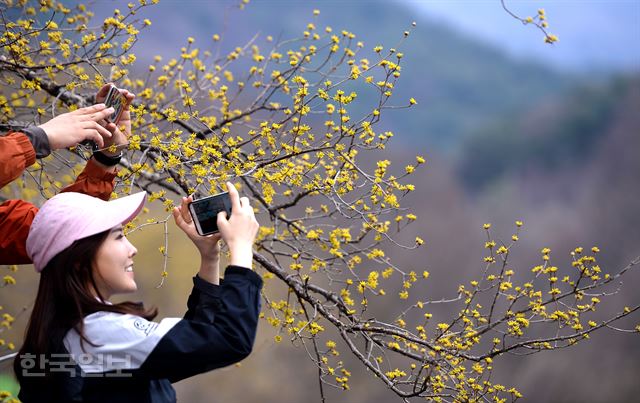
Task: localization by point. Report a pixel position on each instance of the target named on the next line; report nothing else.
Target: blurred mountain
(568, 169)
(554, 137)
(459, 82)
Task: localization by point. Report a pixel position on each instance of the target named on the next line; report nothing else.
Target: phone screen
(205, 212)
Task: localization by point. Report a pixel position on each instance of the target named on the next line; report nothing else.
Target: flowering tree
(295, 123)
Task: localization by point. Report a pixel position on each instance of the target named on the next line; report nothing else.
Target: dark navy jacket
(135, 360)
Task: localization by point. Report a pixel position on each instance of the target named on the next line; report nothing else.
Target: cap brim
(118, 211)
(132, 204)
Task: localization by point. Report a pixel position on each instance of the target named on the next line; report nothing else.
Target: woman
(80, 347)
(19, 150)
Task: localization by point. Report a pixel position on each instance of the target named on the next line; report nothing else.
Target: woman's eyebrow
(116, 229)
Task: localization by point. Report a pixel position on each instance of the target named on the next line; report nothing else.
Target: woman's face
(113, 265)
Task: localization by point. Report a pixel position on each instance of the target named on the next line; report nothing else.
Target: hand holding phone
(238, 231)
(111, 96)
(204, 212)
(118, 101)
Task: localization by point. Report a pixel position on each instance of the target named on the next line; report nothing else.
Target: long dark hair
(66, 295)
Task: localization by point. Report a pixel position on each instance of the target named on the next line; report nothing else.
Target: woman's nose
(132, 249)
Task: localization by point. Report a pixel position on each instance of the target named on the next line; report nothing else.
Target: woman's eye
(120, 236)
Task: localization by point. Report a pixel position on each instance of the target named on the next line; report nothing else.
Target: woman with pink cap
(79, 347)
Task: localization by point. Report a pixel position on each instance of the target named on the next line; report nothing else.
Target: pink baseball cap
(68, 217)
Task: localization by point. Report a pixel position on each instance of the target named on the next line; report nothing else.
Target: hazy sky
(594, 34)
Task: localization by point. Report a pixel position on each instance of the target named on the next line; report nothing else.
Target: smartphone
(205, 212)
(118, 101)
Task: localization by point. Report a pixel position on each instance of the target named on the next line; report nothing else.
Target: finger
(89, 109)
(102, 93)
(127, 105)
(244, 202)
(183, 217)
(177, 217)
(184, 209)
(130, 97)
(91, 125)
(251, 212)
(222, 221)
(111, 127)
(94, 136)
(234, 196)
(102, 114)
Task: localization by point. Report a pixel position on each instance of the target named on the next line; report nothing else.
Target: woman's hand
(119, 137)
(69, 129)
(240, 230)
(207, 245)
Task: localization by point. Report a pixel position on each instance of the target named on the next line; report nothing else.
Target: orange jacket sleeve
(16, 153)
(15, 219)
(16, 215)
(94, 181)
